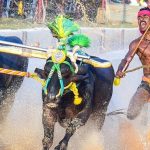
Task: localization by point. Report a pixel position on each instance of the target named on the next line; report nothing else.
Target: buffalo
(95, 86)
(9, 84)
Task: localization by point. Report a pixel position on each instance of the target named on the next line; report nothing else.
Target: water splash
(129, 136)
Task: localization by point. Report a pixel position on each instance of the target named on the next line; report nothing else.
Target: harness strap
(70, 66)
(22, 74)
(66, 87)
(60, 78)
(65, 62)
(57, 68)
(73, 87)
(14, 72)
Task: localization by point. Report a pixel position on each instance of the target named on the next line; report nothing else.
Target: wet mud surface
(22, 128)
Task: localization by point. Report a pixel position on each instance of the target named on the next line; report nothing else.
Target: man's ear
(40, 73)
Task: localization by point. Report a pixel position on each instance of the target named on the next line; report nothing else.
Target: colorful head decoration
(80, 40)
(62, 27)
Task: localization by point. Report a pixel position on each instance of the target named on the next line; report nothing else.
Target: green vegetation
(11, 23)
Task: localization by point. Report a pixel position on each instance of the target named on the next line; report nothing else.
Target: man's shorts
(145, 83)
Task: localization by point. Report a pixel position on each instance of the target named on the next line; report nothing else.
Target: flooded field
(22, 128)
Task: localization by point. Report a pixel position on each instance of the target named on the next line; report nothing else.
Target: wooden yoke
(36, 52)
(24, 50)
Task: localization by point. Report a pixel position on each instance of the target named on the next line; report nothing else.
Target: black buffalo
(10, 84)
(95, 86)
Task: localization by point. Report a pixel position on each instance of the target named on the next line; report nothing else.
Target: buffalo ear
(40, 73)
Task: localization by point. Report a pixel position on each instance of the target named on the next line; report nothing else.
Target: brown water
(22, 129)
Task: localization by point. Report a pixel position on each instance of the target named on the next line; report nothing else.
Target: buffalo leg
(77, 122)
(49, 119)
(73, 125)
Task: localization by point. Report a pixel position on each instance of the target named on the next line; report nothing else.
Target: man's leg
(138, 100)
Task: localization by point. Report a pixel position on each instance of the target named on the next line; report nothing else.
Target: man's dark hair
(145, 8)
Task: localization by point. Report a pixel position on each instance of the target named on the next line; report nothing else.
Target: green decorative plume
(62, 27)
(80, 40)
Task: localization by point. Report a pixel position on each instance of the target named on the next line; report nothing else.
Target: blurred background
(108, 13)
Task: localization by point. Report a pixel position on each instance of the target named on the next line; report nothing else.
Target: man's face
(143, 22)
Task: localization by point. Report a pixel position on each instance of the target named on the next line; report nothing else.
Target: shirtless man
(142, 94)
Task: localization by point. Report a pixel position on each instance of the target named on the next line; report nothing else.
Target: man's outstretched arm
(126, 61)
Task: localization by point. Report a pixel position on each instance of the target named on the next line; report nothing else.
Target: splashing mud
(129, 137)
(19, 138)
(95, 141)
(22, 128)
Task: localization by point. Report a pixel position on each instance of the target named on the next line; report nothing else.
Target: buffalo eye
(65, 71)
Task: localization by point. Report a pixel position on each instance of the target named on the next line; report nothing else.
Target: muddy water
(22, 129)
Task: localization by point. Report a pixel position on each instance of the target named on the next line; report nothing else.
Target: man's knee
(131, 116)
(133, 112)
(137, 102)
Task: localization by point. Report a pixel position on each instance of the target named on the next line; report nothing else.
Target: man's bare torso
(144, 55)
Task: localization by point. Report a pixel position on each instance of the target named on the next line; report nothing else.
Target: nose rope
(55, 67)
(71, 86)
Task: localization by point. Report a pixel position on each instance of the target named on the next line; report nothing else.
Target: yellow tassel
(117, 81)
(77, 99)
(73, 87)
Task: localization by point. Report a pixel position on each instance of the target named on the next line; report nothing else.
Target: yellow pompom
(117, 81)
(77, 101)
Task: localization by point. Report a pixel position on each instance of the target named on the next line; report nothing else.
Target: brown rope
(137, 68)
(23, 74)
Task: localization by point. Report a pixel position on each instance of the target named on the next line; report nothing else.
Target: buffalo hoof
(61, 146)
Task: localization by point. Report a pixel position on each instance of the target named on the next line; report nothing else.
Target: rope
(117, 80)
(37, 78)
(56, 67)
(137, 68)
(22, 74)
(73, 87)
(66, 87)
(14, 72)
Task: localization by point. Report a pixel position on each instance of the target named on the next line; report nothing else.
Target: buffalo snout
(52, 100)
